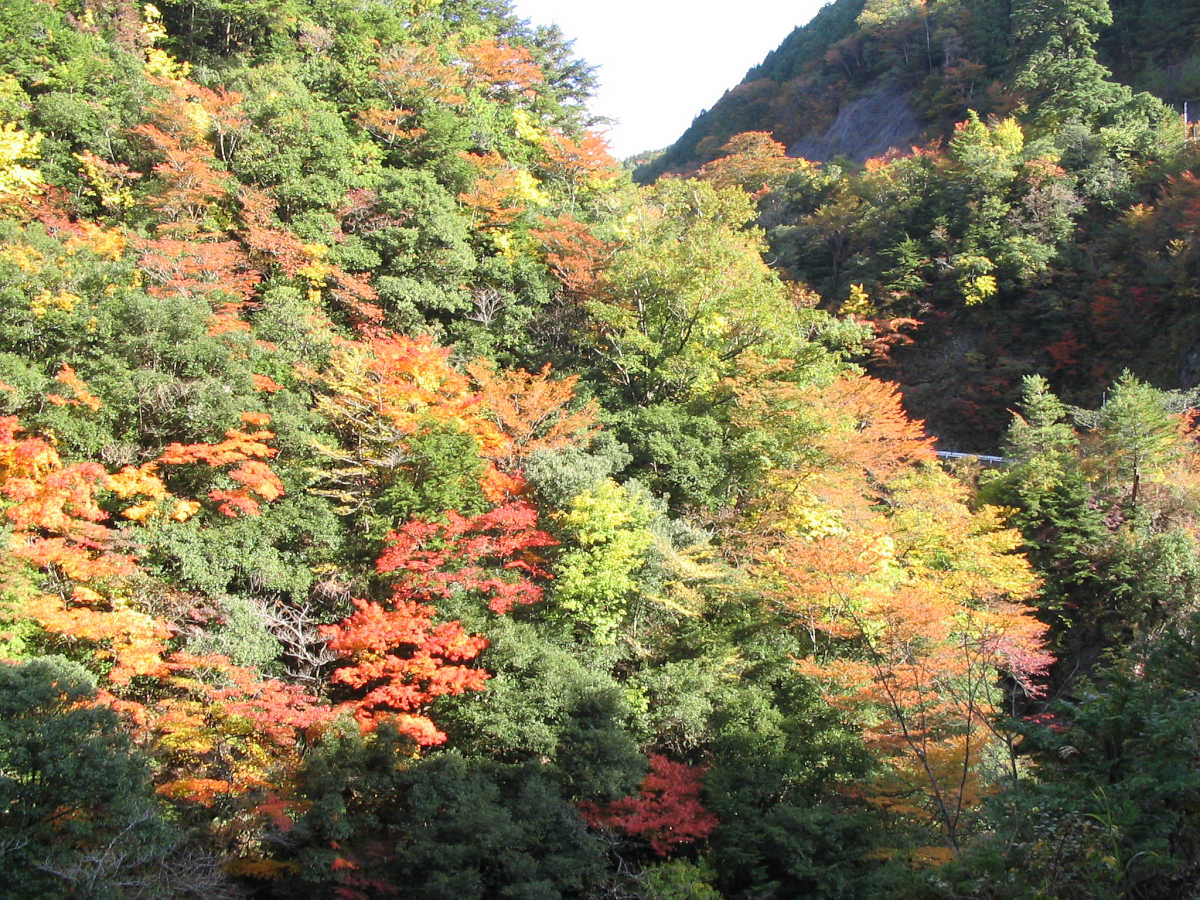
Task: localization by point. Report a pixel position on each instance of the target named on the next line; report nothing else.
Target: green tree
(990, 190)
(688, 314)
(687, 295)
(549, 703)
(443, 828)
(1040, 440)
(1139, 434)
(1111, 807)
(1056, 62)
(298, 147)
(1060, 519)
(606, 526)
(77, 815)
(778, 752)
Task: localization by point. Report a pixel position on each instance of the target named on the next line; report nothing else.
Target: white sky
(663, 61)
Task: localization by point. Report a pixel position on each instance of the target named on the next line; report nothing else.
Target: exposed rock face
(867, 126)
(1188, 369)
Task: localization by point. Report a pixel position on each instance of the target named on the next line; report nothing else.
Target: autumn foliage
(867, 427)
(230, 738)
(573, 253)
(752, 160)
(500, 69)
(399, 479)
(400, 659)
(913, 603)
(666, 813)
(58, 529)
(532, 412)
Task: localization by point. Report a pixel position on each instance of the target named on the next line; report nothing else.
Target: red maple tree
(666, 813)
(400, 658)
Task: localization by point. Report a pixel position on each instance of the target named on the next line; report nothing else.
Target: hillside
(1050, 262)
(397, 500)
(917, 68)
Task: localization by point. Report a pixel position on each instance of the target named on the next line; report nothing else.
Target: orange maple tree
(531, 412)
(495, 196)
(577, 164)
(866, 427)
(575, 256)
(913, 603)
(381, 392)
(914, 644)
(752, 160)
(227, 737)
(189, 182)
(59, 529)
(501, 70)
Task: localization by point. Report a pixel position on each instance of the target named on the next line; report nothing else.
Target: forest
(400, 498)
(1003, 189)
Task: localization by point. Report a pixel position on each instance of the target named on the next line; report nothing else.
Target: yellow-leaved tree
(17, 147)
(913, 602)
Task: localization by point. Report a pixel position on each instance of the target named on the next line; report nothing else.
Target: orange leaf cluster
(575, 256)
(281, 713)
(58, 528)
(55, 517)
(389, 388)
(409, 77)
(104, 242)
(254, 475)
(238, 445)
(891, 334)
(409, 73)
(135, 641)
(752, 160)
(82, 396)
(269, 244)
(494, 195)
(867, 427)
(573, 161)
(189, 181)
(415, 381)
(198, 267)
(532, 412)
(266, 383)
(501, 70)
(390, 126)
(226, 734)
(246, 448)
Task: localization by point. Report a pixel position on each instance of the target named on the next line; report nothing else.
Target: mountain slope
(865, 76)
